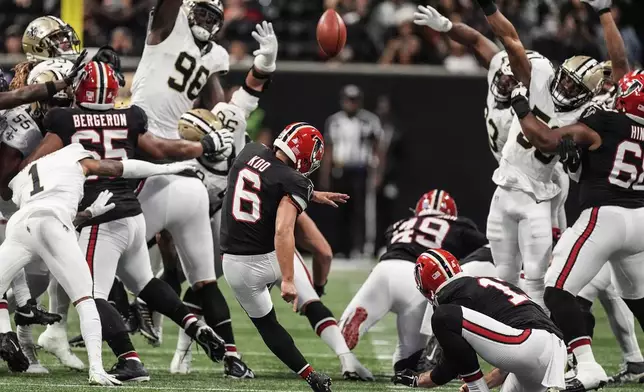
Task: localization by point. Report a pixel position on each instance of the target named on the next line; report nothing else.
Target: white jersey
(54, 182)
(522, 166)
(170, 77)
(497, 118)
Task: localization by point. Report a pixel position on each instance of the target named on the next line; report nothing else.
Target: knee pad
(319, 316)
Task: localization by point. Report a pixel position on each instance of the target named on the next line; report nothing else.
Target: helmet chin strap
(200, 33)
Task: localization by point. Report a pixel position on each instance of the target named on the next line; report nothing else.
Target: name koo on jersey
(258, 163)
(84, 120)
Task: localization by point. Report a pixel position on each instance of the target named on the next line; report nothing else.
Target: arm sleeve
(444, 371)
(59, 122)
(300, 190)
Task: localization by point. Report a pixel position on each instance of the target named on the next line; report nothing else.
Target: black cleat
(129, 370)
(574, 385)
(131, 321)
(213, 345)
(631, 372)
(319, 382)
(31, 314)
(429, 358)
(236, 368)
(145, 323)
(77, 341)
(11, 352)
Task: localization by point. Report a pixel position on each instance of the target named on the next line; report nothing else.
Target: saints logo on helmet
(49, 37)
(503, 82)
(575, 83)
(205, 18)
(63, 98)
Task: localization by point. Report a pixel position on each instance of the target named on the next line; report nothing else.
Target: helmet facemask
(205, 20)
(502, 86)
(576, 82)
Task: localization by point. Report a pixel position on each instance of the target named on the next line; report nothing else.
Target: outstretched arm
(459, 32)
(508, 35)
(612, 37)
(131, 168)
(159, 148)
(28, 94)
(164, 16)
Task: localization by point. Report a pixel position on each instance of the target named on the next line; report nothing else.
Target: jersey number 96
(184, 81)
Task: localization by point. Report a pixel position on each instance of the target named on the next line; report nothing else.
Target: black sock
(566, 313)
(280, 343)
(192, 301)
(319, 316)
(114, 331)
(637, 307)
(216, 312)
(161, 298)
(171, 277)
(459, 358)
(118, 298)
(586, 308)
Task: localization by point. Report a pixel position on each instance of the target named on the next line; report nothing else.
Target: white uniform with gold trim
(498, 118)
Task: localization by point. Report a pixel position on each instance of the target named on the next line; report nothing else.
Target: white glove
(519, 92)
(599, 5)
(100, 206)
(428, 16)
(134, 168)
(223, 141)
(266, 55)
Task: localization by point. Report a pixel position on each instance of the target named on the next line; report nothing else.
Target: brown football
(331, 33)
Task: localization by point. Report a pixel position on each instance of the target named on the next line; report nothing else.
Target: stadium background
(435, 87)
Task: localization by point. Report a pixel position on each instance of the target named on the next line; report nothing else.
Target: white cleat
(100, 377)
(181, 362)
(57, 345)
(590, 376)
(37, 368)
(352, 369)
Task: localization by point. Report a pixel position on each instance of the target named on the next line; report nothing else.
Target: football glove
(100, 206)
(266, 55)
(406, 377)
(569, 154)
(218, 144)
(79, 64)
(428, 16)
(600, 6)
(107, 54)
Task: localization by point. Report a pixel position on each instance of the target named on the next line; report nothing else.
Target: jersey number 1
(35, 178)
(514, 297)
(186, 65)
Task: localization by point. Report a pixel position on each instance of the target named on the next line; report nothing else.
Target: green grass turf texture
(374, 351)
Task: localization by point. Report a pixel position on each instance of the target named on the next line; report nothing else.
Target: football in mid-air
(331, 33)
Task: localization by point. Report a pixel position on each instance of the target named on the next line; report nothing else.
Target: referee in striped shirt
(351, 164)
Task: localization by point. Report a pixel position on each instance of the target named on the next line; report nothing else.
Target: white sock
(535, 288)
(475, 382)
(622, 322)
(331, 335)
(5, 320)
(25, 336)
(90, 325)
(20, 289)
(582, 350)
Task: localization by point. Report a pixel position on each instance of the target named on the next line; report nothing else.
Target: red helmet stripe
(441, 262)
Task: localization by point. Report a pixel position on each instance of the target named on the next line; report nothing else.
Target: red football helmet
(630, 96)
(303, 145)
(433, 268)
(97, 86)
(436, 201)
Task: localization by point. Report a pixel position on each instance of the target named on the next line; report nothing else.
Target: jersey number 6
(242, 192)
(186, 65)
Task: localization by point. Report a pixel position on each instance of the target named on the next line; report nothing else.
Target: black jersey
(482, 254)
(257, 182)
(408, 238)
(108, 134)
(612, 175)
(497, 299)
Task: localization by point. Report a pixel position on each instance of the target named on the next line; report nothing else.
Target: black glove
(487, 6)
(107, 54)
(319, 289)
(569, 154)
(78, 65)
(407, 377)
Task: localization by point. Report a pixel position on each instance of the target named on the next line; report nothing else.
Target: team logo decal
(33, 32)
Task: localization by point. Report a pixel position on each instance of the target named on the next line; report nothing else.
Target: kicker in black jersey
(108, 134)
(612, 175)
(497, 299)
(408, 238)
(257, 182)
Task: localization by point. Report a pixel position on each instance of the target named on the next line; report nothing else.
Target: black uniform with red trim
(611, 175)
(482, 254)
(408, 238)
(497, 299)
(257, 182)
(109, 134)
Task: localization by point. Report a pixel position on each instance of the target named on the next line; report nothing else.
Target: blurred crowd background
(379, 31)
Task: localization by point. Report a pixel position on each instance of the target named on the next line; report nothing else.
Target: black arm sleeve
(444, 372)
(299, 189)
(60, 122)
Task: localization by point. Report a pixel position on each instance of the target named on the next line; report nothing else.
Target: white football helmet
(205, 18)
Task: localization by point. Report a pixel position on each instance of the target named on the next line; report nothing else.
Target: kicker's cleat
(146, 323)
(236, 368)
(100, 377)
(319, 382)
(31, 314)
(590, 376)
(129, 370)
(213, 345)
(181, 362)
(631, 372)
(54, 341)
(352, 369)
(11, 352)
(351, 330)
(429, 357)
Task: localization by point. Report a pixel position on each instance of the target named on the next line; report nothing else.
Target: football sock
(281, 343)
(114, 331)
(118, 298)
(20, 289)
(90, 326)
(5, 320)
(171, 275)
(58, 303)
(326, 327)
(216, 313)
(586, 308)
(622, 322)
(161, 298)
(475, 382)
(459, 355)
(582, 350)
(566, 313)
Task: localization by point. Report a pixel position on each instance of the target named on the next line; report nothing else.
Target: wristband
(603, 11)
(252, 92)
(51, 89)
(259, 75)
(521, 107)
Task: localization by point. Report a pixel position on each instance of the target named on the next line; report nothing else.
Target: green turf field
(374, 351)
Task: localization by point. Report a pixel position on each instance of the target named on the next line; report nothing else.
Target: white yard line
(135, 386)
